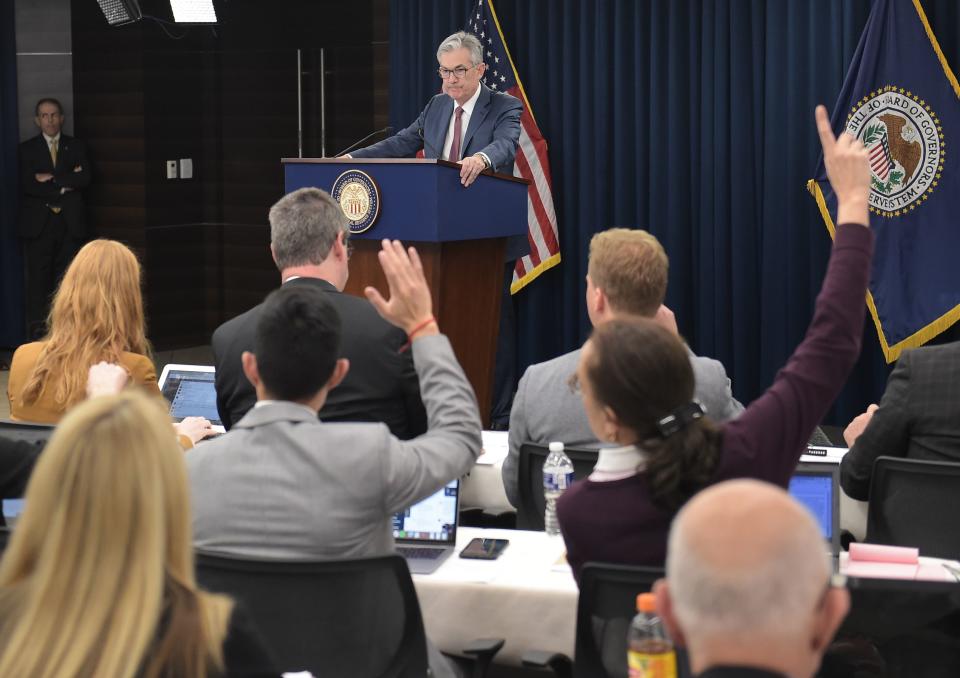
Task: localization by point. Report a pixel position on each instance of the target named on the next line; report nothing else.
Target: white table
(525, 596)
(482, 487)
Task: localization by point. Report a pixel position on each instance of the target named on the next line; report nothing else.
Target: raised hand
(848, 169)
(410, 306)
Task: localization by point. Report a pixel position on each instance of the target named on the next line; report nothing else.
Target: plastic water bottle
(650, 652)
(557, 476)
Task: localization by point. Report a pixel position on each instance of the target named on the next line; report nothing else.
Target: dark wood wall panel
(227, 100)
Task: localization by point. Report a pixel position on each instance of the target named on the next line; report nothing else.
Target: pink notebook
(895, 562)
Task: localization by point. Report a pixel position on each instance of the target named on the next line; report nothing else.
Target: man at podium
(468, 123)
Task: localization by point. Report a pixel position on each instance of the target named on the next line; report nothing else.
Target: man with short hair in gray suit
(281, 483)
(626, 276)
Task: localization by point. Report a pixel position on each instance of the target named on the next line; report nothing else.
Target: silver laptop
(817, 486)
(191, 392)
(426, 533)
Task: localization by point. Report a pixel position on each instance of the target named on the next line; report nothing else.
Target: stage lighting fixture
(193, 11)
(120, 12)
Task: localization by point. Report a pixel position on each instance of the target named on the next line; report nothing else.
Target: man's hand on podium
(470, 168)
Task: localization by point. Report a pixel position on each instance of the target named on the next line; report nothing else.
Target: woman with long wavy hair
(96, 315)
(637, 387)
(98, 577)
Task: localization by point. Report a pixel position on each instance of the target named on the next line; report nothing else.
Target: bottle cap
(556, 447)
(646, 602)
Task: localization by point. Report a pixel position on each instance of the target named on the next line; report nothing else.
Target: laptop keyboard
(420, 552)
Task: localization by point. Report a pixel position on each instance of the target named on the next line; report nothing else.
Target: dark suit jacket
(35, 159)
(494, 129)
(17, 459)
(919, 416)
(381, 385)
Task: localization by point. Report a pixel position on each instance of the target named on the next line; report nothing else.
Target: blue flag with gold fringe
(901, 99)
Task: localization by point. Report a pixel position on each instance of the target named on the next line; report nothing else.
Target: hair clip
(679, 418)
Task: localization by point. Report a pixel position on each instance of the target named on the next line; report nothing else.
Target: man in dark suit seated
(468, 123)
(53, 170)
(308, 240)
(748, 589)
(917, 417)
(281, 484)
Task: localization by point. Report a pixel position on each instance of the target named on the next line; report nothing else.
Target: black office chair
(607, 604)
(350, 618)
(23, 430)
(530, 480)
(915, 503)
(335, 618)
(897, 628)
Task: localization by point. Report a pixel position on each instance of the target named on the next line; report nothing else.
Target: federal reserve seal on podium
(359, 197)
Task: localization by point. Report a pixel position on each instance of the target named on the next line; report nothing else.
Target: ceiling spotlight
(120, 12)
(193, 11)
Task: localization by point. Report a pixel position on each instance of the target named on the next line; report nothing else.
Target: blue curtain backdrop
(11, 271)
(692, 120)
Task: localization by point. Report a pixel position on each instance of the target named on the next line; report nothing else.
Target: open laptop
(426, 533)
(817, 486)
(191, 393)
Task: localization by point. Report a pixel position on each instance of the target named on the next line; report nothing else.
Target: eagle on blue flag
(901, 100)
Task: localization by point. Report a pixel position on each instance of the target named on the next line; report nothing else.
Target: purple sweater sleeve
(766, 441)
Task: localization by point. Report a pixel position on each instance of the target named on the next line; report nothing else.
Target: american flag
(880, 160)
(531, 161)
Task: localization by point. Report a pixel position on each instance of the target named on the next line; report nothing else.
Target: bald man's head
(744, 554)
(748, 581)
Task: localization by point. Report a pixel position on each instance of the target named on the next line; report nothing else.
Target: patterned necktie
(457, 135)
(53, 152)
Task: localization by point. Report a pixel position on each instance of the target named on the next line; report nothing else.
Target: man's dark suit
(918, 418)
(494, 129)
(50, 237)
(381, 385)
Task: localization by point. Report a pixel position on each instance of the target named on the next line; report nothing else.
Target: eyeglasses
(458, 72)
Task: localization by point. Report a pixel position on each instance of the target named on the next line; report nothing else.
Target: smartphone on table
(484, 549)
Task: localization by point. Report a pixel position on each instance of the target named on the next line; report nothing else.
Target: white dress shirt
(616, 463)
(464, 123)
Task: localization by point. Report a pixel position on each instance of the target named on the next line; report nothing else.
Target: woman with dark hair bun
(637, 389)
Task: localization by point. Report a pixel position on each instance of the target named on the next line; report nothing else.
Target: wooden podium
(460, 235)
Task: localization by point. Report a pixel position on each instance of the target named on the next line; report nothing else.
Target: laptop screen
(817, 487)
(191, 392)
(430, 519)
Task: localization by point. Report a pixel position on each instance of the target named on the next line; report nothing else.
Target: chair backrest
(607, 604)
(23, 430)
(530, 480)
(898, 628)
(350, 618)
(915, 503)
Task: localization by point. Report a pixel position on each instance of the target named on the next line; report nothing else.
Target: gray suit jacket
(545, 409)
(918, 417)
(282, 484)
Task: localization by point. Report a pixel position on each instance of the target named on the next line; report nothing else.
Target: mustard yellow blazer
(45, 410)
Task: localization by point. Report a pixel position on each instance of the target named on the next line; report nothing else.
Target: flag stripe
(541, 194)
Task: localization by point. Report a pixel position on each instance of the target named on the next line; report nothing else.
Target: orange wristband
(413, 332)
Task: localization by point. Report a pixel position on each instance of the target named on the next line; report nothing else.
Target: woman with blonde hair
(96, 315)
(98, 578)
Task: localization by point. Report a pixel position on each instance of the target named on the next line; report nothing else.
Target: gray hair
(303, 227)
(776, 595)
(466, 40)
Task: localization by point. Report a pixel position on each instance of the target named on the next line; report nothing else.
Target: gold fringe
(936, 48)
(918, 338)
(532, 275)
